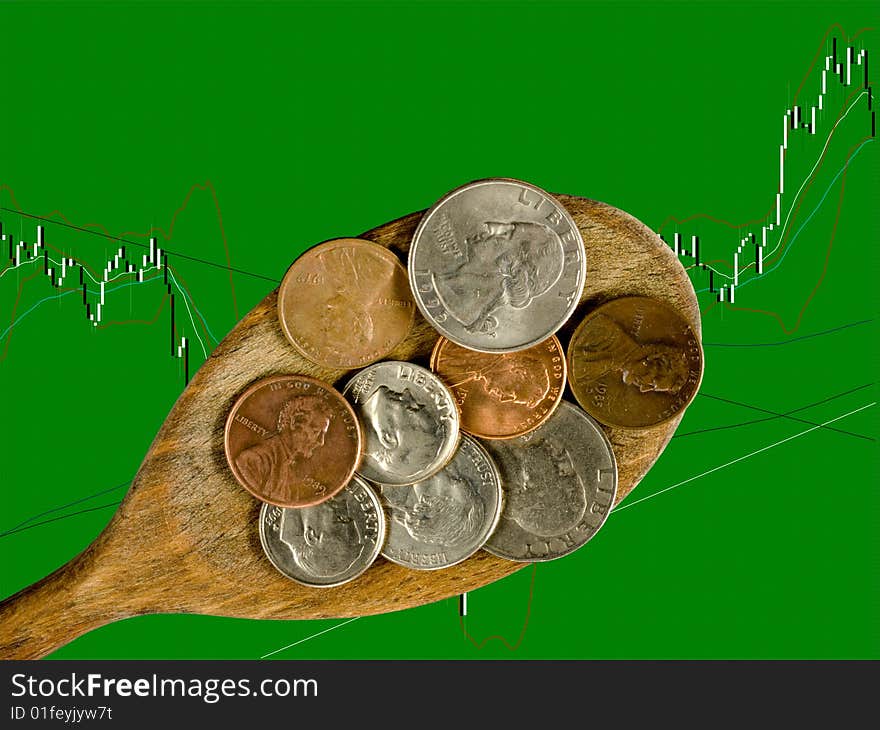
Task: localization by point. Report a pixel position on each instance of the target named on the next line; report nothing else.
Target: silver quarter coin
(497, 265)
(446, 518)
(409, 418)
(559, 483)
(328, 544)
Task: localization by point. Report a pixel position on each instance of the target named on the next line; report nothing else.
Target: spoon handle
(55, 610)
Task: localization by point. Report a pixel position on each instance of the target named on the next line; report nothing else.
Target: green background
(314, 121)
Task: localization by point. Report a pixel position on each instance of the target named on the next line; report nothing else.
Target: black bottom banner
(134, 694)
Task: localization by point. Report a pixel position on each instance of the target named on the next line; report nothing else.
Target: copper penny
(634, 362)
(502, 396)
(346, 303)
(292, 441)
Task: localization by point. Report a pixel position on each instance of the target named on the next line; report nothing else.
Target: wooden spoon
(185, 540)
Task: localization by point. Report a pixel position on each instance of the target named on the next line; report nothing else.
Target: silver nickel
(560, 482)
(410, 422)
(497, 265)
(329, 544)
(448, 517)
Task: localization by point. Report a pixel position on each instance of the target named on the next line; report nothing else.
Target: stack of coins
(427, 465)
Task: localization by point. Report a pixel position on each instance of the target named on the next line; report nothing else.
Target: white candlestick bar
(781, 168)
(732, 295)
(102, 293)
(759, 260)
(785, 131)
(813, 122)
(153, 251)
(735, 270)
(778, 210)
(676, 243)
(849, 55)
(40, 236)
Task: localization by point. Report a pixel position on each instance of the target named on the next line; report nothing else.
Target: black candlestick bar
(173, 351)
(85, 292)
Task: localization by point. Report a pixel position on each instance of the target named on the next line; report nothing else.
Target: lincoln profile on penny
(505, 266)
(273, 467)
(325, 540)
(513, 377)
(356, 281)
(648, 366)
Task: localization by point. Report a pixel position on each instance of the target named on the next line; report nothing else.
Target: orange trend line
(497, 637)
(801, 197)
(736, 226)
(821, 279)
(166, 235)
(139, 321)
(781, 250)
(185, 287)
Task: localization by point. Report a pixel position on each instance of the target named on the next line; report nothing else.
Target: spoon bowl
(185, 538)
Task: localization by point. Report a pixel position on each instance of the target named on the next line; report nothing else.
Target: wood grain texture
(185, 539)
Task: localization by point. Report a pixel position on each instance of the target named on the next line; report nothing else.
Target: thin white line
(310, 637)
(821, 154)
(741, 458)
(795, 198)
(191, 318)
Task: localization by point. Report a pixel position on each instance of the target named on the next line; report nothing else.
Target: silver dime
(409, 418)
(328, 544)
(497, 265)
(448, 517)
(559, 482)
